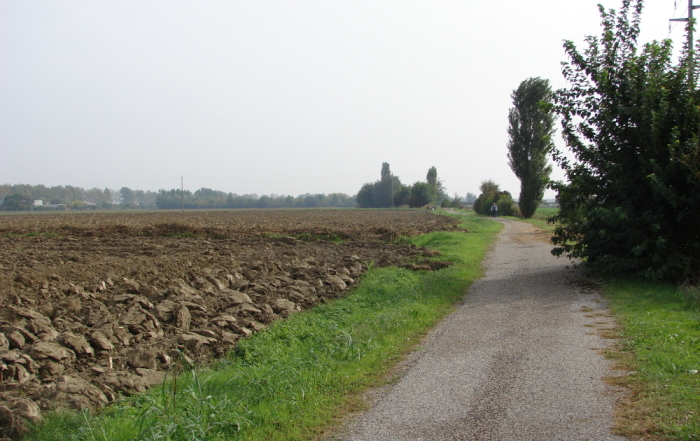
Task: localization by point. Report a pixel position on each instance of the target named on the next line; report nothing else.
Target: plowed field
(98, 305)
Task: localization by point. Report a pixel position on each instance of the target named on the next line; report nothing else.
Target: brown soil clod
(99, 305)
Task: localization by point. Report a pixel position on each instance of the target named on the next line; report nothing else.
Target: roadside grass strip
(660, 347)
(298, 378)
(539, 219)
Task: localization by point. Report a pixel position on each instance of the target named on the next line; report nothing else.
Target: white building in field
(38, 203)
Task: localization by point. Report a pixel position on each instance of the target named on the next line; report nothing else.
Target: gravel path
(515, 362)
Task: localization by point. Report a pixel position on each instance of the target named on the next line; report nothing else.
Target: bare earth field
(98, 305)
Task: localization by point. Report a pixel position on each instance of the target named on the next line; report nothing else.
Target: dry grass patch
(658, 348)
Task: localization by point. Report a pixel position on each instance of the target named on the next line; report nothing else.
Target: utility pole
(182, 193)
(691, 42)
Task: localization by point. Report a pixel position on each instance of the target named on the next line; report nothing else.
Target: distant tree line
(388, 191)
(208, 198)
(22, 197)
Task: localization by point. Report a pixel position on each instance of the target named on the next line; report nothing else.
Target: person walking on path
(516, 361)
(494, 210)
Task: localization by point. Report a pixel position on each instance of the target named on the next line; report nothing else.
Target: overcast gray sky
(277, 97)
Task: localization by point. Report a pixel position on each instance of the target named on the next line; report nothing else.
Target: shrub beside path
(519, 360)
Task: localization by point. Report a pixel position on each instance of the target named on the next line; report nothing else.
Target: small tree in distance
(402, 195)
(380, 194)
(437, 190)
(420, 195)
(16, 202)
(389, 191)
(531, 126)
(491, 193)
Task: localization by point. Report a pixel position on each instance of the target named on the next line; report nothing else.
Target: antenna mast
(691, 45)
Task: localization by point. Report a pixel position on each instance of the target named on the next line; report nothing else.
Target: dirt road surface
(519, 360)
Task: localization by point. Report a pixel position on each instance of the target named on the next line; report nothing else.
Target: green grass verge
(296, 379)
(539, 219)
(660, 345)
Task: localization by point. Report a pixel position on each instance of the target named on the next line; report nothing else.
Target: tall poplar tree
(531, 126)
(437, 190)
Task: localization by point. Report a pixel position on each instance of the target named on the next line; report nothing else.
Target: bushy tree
(491, 193)
(402, 195)
(530, 129)
(489, 186)
(420, 195)
(16, 202)
(77, 205)
(506, 205)
(629, 117)
(365, 197)
(128, 197)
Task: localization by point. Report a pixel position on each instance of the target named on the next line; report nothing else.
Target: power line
(675, 9)
(690, 9)
(691, 42)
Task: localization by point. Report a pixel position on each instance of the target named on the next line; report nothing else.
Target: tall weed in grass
(294, 380)
(660, 327)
